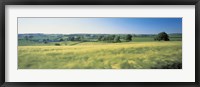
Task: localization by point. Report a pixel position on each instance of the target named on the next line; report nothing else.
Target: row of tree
(115, 38)
(99, 37)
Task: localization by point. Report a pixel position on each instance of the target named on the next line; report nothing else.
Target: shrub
(128, 37)
(117, 39)
(162, 36)
(57, 44)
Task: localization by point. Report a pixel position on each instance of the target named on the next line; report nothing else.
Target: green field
(99, 55)
(149, 39)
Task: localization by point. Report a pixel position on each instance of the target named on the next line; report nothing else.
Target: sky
(99, 25)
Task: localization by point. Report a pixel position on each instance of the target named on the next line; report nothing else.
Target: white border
(187, 74)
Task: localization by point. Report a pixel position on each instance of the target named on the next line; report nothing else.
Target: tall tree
(162, 36)
(117, 39)
(128, 37)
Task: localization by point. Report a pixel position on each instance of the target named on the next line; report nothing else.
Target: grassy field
(150, 39)
(97, 55)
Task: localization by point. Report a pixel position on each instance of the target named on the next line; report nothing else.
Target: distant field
(70, 43)
(99, 55)
(147, 39)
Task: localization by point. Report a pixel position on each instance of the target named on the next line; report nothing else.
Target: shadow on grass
(175, 65)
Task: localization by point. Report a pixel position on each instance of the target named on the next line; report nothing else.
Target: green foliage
(162, 36)
(78, 38)
(128, 37)
(100, 38)
(109, 38)
(117, 39)
(45, 41)
(57, 44)
(71, 38)
(51, 39)
(61, 39)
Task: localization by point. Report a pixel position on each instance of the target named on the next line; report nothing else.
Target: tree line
(113, 38)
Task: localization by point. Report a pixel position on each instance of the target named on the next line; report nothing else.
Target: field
(99, 55)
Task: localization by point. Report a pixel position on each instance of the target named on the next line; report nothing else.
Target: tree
(117, 39)
(61, 39)
(103, 38)
(162, 36)
(57, 44)
(26, 37)
(71, 38)
(78, 38)
(45, 41)
(128, 37)
(30, 36)
(111, 38)
(100, 38)
(81, 38)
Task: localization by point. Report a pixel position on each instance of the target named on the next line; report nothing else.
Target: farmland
(99, 42)
(141, 53)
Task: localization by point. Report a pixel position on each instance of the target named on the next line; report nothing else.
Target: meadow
(99, 43)
(141, 54)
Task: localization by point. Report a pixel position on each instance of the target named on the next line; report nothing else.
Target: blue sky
(99, 25)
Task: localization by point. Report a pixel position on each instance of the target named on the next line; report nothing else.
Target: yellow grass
(94, 55)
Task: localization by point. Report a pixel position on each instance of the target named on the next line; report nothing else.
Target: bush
(162, 36)
(117, 39)
(57, 44)
(128, 37)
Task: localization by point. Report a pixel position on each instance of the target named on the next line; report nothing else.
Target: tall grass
(95, 55)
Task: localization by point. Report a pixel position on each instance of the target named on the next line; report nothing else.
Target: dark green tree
(61, 39)
(110, 38)
(100, 38)
(26, 38)
(57, 44)
(45, 41)
(103, 38)
(71, 38)
(117, 39)
(162, 36)
(128, 37)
